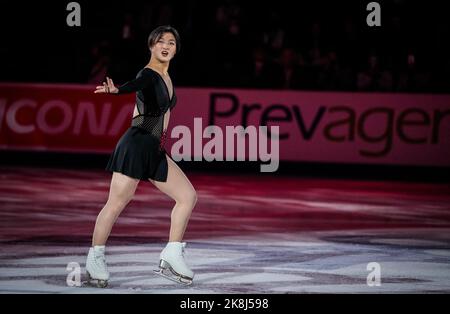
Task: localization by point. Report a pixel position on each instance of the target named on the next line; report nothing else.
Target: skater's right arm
(138, 83)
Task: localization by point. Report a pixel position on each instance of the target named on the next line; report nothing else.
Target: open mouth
(165, 53)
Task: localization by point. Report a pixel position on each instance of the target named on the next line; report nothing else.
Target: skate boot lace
(100, 260)
(182, 249)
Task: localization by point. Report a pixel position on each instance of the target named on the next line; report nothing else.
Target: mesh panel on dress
(153, 125)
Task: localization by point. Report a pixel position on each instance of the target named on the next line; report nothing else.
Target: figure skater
(140, 155)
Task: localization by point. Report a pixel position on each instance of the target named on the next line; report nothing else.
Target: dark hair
(157, 33)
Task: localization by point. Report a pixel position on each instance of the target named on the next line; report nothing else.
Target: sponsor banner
(373, 128)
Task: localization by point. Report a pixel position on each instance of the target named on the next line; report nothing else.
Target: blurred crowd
(273, 45)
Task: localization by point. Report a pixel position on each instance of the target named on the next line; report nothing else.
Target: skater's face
(165, 47)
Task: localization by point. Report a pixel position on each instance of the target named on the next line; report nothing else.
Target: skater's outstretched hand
(107, 87)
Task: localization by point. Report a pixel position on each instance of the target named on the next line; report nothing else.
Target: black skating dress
(140, 151)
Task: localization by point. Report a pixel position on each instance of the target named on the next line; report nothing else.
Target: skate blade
(96, 283)
(166, 269)
(174, 278)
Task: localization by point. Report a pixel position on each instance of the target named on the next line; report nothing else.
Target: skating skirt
(139, 155)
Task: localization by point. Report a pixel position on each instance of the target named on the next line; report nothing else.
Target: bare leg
(179, 188)
(120, 193)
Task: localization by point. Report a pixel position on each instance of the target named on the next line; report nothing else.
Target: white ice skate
(96, 270)
(172, 265)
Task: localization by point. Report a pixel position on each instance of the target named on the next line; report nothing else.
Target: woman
(140, 155)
